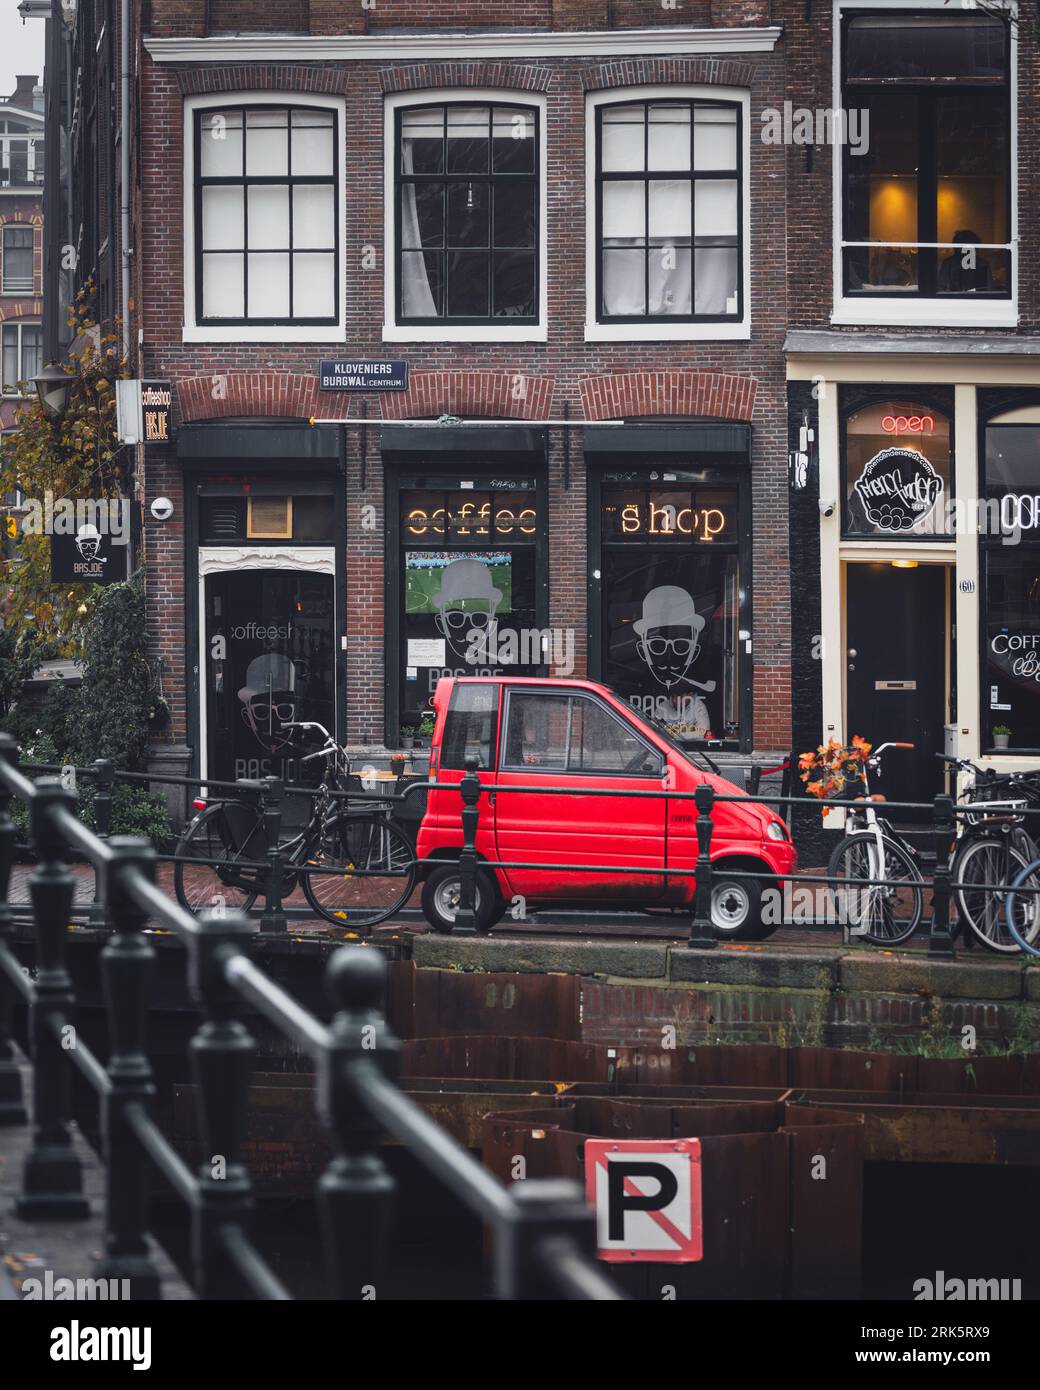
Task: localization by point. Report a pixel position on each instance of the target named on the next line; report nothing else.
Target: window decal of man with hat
(466, 603)
(669, 632)
(269, 699)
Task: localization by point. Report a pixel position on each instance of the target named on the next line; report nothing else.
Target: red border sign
(647, 1197)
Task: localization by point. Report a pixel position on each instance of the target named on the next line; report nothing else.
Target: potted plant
(408, 732)
(425, 731)
(1001, 735)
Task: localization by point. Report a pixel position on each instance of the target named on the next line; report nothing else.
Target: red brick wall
(731, 380)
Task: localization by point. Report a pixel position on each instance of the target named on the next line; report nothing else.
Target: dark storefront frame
(992, 403)
(721, 453)
(268, 456)
(412, 462)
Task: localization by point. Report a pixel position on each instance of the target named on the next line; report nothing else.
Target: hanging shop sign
(899, 489)
(156, 408)
(88, 557)
(368, 374)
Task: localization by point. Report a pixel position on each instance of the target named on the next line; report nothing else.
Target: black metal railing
(543, 1233)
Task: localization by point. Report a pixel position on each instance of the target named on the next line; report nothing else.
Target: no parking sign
(647, 1196)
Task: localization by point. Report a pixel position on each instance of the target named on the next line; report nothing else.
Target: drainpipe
(124, 166)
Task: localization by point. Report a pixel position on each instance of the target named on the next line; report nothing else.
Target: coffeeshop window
(468, 588)
(1010, 539)
(897, 471)
(672, 641)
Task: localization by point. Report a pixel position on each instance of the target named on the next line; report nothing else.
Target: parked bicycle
(356, 867)
(873, 871)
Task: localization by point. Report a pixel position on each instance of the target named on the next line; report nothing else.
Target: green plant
(1000, 730)
(426, 726)
(116, 697)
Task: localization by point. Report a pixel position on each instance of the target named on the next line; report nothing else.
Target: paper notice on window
(425, 651)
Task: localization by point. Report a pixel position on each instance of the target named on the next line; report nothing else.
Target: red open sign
(908, 424)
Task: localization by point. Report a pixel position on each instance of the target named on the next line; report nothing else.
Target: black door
(896, 673)
(270, 658)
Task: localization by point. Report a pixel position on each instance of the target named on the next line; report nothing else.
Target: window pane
(881, 194)
(268, 217)
(222, 287)
(221, 144)
(32, 350)
(468, 139)
(223, 226)
(918, 48)
(897, 473)
(670, 208)
(716, 207)
(624, 286)
(538, 731)
(513, 149)
(469, 725)
(10, 354)
(468, 214)
(18, 260)
(971, 156)
(422, 214)
(422, 291)
(514, 285)
(468, 284)
(669, 137)
(312, 143)
(269, 285)
(422, 141)
(714, 139)
(267, 142)
(1013, 644)
(716, 289)
(314, 285)
(314, 216)
(624, 209)
(671, 288)
(601, 743)
(623, 137)
(514, 214)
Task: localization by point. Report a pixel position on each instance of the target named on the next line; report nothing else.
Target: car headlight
(776, 830)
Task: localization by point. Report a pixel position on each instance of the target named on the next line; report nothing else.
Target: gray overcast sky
(21, 45)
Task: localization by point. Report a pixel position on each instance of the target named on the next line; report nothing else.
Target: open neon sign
(908, 424)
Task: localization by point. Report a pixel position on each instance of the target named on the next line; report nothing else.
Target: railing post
(221, 1056)
(356, 1191)
(702, 933)
(105, 775)
(12, 1102)
(273, 919)
(127, 965)
(52, 1183)
(546, 1210)
(469, 789)
(940, 942)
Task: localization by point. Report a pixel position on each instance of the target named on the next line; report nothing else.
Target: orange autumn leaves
(828, 771)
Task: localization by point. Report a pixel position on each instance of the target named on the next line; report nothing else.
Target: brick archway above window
(524, 77)
(654, 72)
(285, 395)
(279, 77)
(709, 395)
(497, 395)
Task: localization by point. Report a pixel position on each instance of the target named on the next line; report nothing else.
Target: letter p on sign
(647, 1195)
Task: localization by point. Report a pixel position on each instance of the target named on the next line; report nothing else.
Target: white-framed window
(465, 256)
(18, 243)
(667, 226)
(925, 215)
(264, 186)
(21, 349)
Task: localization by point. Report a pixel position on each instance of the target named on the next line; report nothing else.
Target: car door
(575, 742)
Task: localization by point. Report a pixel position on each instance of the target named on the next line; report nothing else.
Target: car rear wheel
(440, 899)
(736, 907)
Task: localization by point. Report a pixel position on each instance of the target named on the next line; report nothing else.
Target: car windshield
(693, 756)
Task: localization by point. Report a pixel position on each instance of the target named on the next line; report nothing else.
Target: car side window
(470, 725)
(601, 742)
(538, 731)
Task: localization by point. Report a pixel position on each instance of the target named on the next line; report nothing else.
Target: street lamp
(52, 387)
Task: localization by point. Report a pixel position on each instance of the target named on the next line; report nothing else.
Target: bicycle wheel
(989, 859)
(884, 914)
(219, 882)
(1015, 911)
(376, 872)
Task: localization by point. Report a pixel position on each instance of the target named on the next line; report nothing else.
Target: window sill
(457, 333)
(242, 333)
(931, 313)
(665, 332)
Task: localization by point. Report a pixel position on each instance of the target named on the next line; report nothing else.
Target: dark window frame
(491, 320)
(5, 288)
(928, 94)
(520, 693)
(245, 181)
(21, 325)
(853, 398)
(646, 176)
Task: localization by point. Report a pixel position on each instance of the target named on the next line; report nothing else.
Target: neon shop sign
(908, 424)
(471, 519)
(664, 519)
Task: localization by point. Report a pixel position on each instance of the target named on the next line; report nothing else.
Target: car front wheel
(440, 899)
(736, 907)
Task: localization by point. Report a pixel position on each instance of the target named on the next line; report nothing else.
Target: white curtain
(416, 296)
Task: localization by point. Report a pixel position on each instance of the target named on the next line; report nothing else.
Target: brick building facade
(21, 240)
